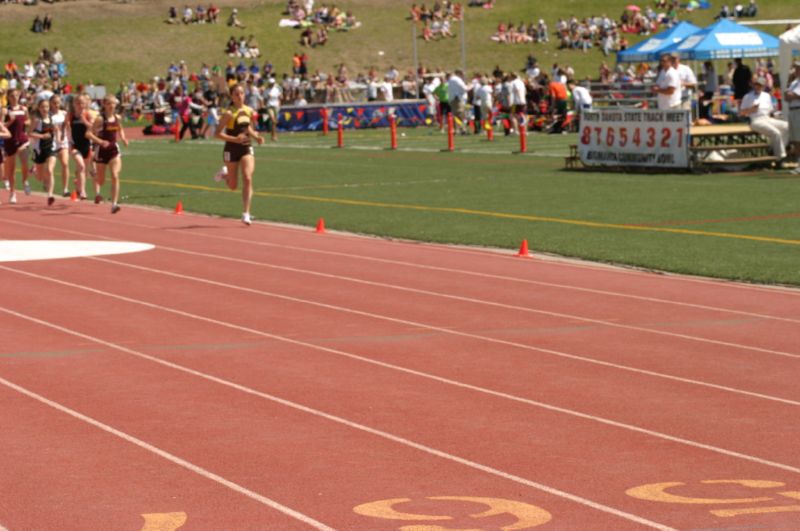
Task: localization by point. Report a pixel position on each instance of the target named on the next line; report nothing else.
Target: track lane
(325, 468)
(586, 446)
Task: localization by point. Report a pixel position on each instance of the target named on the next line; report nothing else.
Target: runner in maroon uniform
(16, 119)
(4, 133)
(107, 128)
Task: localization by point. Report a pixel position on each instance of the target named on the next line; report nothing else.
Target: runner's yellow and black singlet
(239, 123)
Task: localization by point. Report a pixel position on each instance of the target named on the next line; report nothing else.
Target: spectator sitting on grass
(234, 21)
(172, 18)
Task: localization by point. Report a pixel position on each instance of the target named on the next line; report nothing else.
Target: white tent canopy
(790, 45)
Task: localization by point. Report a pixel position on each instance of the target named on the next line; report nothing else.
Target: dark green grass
(485, 195)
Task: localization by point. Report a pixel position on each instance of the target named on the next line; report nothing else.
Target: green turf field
(741, 226)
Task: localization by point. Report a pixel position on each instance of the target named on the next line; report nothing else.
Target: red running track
(273, 378)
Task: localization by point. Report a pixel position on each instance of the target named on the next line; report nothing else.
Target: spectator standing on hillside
(668, 85)
(457, 96)
(757, 105)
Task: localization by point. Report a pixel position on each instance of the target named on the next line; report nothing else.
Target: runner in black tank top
(236, 129)
(45, 137)
(80, 121)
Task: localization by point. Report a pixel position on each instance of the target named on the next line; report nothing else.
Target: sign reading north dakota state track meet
(634, 138)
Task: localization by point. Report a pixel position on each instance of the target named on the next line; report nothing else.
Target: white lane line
(405, 370)
(305, 409)
(418, 325)
(769, 289)
(491, 303)
(601, 322)
(162, 453)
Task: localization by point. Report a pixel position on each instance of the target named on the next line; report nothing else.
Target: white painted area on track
(27, 250)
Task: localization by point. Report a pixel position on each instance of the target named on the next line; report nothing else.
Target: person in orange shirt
(557, 92)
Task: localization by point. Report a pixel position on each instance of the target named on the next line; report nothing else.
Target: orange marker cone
(523, 250)
(320, 226)
(179, 208)
(73, 196)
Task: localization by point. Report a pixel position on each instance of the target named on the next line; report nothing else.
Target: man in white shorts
(792, 97)
(757, 105)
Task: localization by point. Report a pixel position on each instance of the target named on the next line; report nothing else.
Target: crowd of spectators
(42, 24)
(436, 22)
(245, 47)
(303, 14)
(198, 15)
(521, 33)
(48, 70)
(739, 10)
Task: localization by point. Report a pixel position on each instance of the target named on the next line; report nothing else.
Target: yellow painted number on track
(657, 492)
(163, 521)
(528, 516)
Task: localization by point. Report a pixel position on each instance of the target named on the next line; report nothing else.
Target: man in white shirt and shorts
(757, 105)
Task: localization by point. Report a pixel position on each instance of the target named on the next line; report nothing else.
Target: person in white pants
(757, 105)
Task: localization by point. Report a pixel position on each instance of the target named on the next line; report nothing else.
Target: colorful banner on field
(354, 116)
(634, 138)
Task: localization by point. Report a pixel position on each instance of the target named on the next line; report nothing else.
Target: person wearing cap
(668, 85)
(757, 105)
(792, 97)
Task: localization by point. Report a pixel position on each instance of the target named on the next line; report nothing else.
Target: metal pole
(463, 46)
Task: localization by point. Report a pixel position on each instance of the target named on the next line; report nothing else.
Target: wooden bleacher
(734, 145)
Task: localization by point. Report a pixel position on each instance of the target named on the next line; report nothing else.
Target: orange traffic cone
(320, 226)
(73, 196)
(179, 208)
(523, 250)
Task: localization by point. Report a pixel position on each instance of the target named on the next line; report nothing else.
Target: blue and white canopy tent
(649, 50)
(726, 39)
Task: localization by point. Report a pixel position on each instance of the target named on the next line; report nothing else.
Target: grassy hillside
(110, 42)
